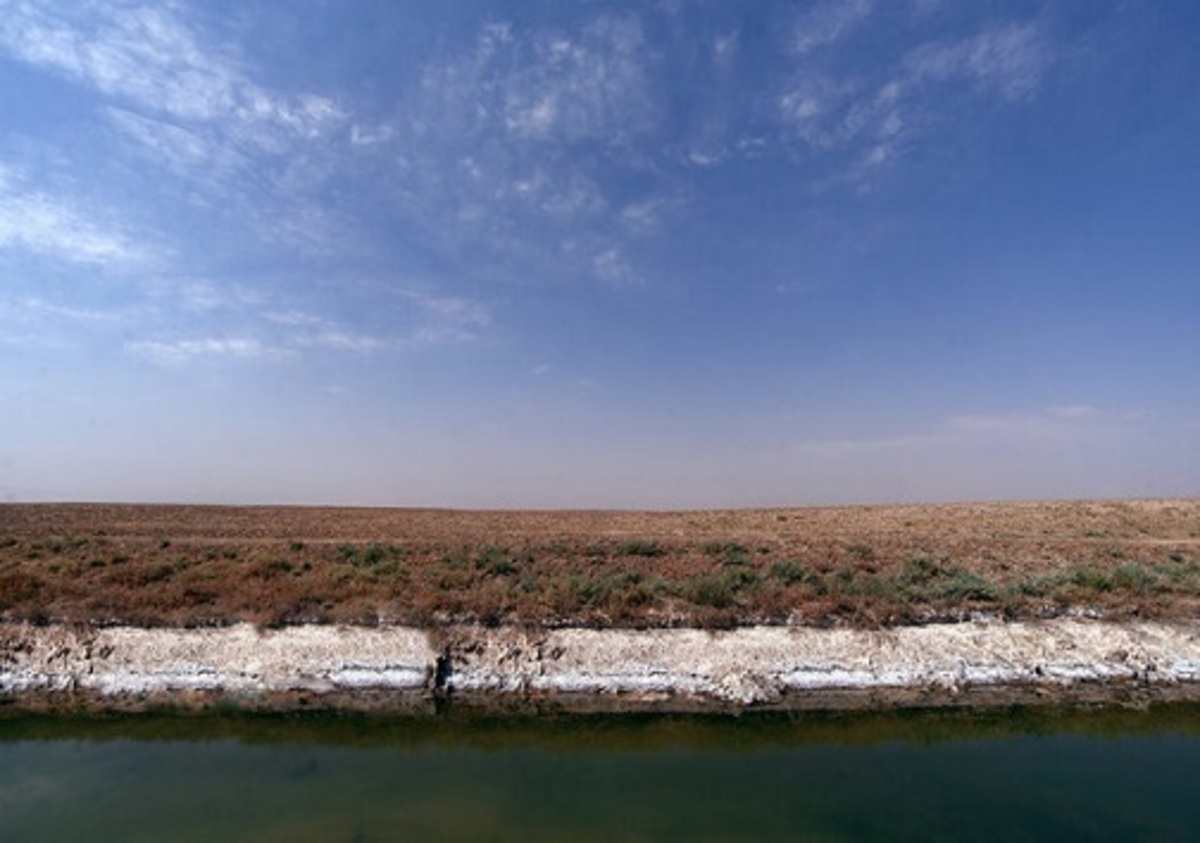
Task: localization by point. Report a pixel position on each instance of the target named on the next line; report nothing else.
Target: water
(1010, 775)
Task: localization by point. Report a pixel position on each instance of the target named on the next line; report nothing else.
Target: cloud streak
(179, 352)
(58, 229)
(865, 118)
(829, 22)
(147, 56)
(273, 335)
(1056, 425)
(189, 103)
(1008, 59)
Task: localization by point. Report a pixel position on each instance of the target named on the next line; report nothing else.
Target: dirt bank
(678, 669)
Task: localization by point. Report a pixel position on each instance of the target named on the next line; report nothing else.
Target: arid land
(843, 567)
(129, 607)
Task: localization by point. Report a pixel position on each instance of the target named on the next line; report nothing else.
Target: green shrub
(1040, 587)
(729, 553)
(862, 551)
(647, 549)
(963, 585)
(1092, 579)
(721, 590)
(590, 590)
(373, 555)
(1134, 577)
(710, 591)
(495, 560)
(789, 572)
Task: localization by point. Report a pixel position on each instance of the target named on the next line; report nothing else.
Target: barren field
(847, 566)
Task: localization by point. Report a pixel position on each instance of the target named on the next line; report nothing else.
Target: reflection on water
(1012, 775)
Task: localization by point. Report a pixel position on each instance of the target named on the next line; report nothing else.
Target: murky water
(1010, 775)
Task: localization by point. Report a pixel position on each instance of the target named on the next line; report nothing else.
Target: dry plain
(850, 567)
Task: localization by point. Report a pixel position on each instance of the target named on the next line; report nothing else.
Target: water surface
(1011, 775)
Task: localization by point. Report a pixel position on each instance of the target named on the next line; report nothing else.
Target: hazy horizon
(663, 255)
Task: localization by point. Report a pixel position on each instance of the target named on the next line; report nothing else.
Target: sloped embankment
(754, 667)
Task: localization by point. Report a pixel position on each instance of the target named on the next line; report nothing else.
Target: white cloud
(293, 318)
(335, 340)
(725, 48)
(58, 229)
(1009, 59)
(706, 158)
(814, 108)
(188, 101)
(148, 55)
(190, 153)
(271, 334)
(1072, 411)
(612, 266)
(361, 135)
(448, 319)
(543, 85)
(562, 195)
(590, 85)
(864, 116)
(828, 22)
(488, 147)
(179, 352)
(646, 216)
(69, 312)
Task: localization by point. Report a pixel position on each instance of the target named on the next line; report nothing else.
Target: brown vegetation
(862, 566)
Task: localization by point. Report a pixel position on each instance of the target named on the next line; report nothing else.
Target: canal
(1013, 774)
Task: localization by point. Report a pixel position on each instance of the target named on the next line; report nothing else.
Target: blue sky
(643, 254)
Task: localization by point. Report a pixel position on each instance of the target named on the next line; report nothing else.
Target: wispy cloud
(866, 117)
(611, 266)
(526, 131)
(274, 335)
(829, 22)
(188, 152)
(816, 108)
(148, 56)
(448, 319)
(58, 228)
(550, 151)
(41, 307)
(356, 343)
(178, 352)
(1008, 59)
(1050, 426)
(186, 98)
(593, 84)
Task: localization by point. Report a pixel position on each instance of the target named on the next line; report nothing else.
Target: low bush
(647, 549)
(790, 572)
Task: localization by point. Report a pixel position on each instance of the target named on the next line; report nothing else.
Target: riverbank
(129, 606)
(984, 662)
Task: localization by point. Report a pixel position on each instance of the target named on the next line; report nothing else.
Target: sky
(670, 254)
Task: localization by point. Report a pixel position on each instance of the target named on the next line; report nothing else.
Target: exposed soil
(406, 669)
(845, 566)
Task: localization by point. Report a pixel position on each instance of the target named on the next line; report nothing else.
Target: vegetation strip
(860, 567)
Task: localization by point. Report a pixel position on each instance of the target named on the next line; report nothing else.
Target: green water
(1002, 775)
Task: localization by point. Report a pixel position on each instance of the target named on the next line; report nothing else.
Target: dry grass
(861, 566)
